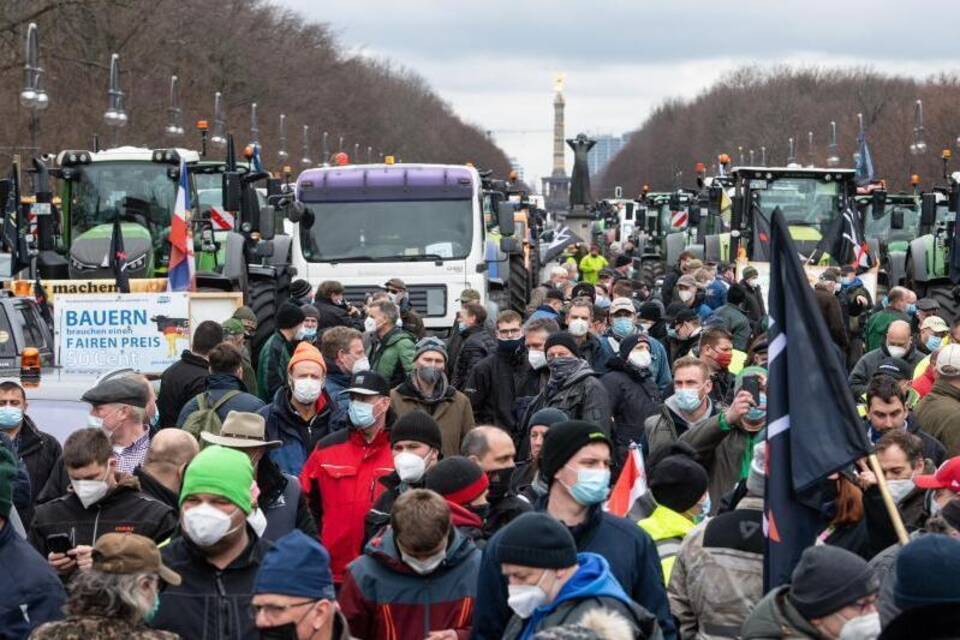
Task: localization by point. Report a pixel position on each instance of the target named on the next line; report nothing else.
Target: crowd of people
(354, 477)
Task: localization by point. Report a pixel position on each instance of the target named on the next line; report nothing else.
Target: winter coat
(753, 305)
(282, 502)
(411, 321)
(592, 587)
(210, 603)
(581, 396)
(153, 488)
(123, 510)
(182, 380)
(590, 267)
(884, 567)
(99, 627)
(334, 315)
(853, 311)
(933, 621)
(30, 591)
(382, 597)
(659, 360)
(496, 383)
(875, 333)
(272, 365)
(451, 410)
(39, 452)
(218, 384)
(737, 324)
(718, 577)
(634, 397)
(596, 352)
(775, 617)
(630, 552)
(667, 529)
(939, 415)
(715, 293)
(545, 311)
(392, 356)
(299, 436)
(724, 451)
(665, 427)
(680, 347)
(833, 316)
(867, 365)
(477, 345)
(335, 383)
(502, 512)
(341, 483)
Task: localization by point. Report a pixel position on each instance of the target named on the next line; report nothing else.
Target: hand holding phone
(752, 384)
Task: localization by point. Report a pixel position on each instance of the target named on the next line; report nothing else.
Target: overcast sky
(494, 60)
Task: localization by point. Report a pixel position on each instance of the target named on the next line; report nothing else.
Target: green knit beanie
(8, 472)
(221, 472)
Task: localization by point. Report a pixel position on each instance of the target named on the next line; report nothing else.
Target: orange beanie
(306, 352)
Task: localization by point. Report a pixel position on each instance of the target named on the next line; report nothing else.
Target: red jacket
(924, 382)
(341, 478)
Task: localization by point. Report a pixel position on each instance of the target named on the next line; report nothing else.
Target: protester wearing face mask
(899, 345)
(341, 477)
(302, 411)
(573, 386)
(898, 304)
(683, 334)
(832, 591)
(309, 329)
(40, 451)
(392, 348)
(734, 319)
(343, 355)
(333, 310)
(427, 389)
(280, 505)
(527, 483)
(101, 500)
(117, 595)
(300, 604)
(624, 325)
(689, 406)
(276, 352)
(594, 350)
(497, 382)
(717, 578)
(575, 464)
(218, 553)
(418, 580)
(825, 295)
(633, 394)
(463, 484)
(753, 302)
(550, 584)
(410, 320)
(493, 449)
(118, 406)
(855, 303)
(724, 443)
(415, 444)
(477, 343)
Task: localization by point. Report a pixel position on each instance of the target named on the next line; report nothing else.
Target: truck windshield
(803, 201)
(99, 192)
(880, 228)
(401, 230)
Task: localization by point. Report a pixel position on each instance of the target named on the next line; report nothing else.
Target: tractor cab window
(803, 201)
(139, 192)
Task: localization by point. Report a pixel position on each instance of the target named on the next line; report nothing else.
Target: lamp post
(174, 127)
(325, 150)
(833, 155)
(282, 153)
(306, 161)
(254, 129)
(919, 146)
(219, 135)
(115, 116)
(810, 153)
(792, 153)
(33, 97)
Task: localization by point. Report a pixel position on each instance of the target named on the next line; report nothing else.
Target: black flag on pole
(118, 257)
(813, 429)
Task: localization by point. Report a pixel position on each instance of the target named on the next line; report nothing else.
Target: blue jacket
(545, 311)
(335, 382)
(716, 294)
(30, 591)
(299, 437)
(629, 550)
(217, 386)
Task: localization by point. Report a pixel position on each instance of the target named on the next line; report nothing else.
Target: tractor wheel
(948, 295)
(650, 271)
(518, 285)
(264, 296)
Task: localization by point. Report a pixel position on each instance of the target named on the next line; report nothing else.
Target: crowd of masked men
(356, 478)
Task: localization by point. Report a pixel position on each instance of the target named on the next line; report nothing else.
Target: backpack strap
(203, 402)
(224, 398)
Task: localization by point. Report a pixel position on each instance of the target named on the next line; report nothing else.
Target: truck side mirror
(928, 209)
(232, 191)
(896, 219)
(878, 203)
(294, 211)
(505, 213)
(267, 222)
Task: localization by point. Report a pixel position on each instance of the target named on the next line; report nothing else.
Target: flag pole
(892, 510)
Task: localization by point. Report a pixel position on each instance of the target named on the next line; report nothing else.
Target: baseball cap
(896, 368)
(130, 553)
(395, 283)
(948, 361)
(469, 295)
(928, 304)
(368, 383)
(947, 476)
(935, 324)
(622, 304)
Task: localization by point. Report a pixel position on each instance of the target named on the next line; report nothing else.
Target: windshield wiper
(355, 259)
(437, 259)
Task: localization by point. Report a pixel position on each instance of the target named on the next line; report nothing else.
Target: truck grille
(430, 301)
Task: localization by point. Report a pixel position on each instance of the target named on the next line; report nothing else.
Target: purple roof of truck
(385, 182)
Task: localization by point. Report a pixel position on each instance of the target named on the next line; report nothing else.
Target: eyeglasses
(275, 610)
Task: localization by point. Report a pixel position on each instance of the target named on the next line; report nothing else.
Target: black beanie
(419, 427)
(629, 343)
(547, 417)
(537, 540)
(678, 482)
(562, 442)
(289, 315)
(562, 338)
(299, 288)
(458, 479)
(827, 579)
(651, 311)
(926, 572)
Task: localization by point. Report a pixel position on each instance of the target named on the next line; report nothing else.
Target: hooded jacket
(299, 436)
(210, 603)
(659, 360)
(774, 618)
(867, 365)
(939, 415)
(451, 409)
(30, 591)
(634, 397)
(383, 598)
(182, 380)
(496, 383)
(596, 352)
(628, 550)
(341, 482)
(392, 355)
(272, 365)
(218, 384)
(477, 345)
(123, 510)
(665, 427)
(592, 587)
(581, 396)
(724, 452)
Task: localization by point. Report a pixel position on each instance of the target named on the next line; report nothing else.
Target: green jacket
(392, 356)
(774, 618)
(724, 451)
(938, 413)
(272, 365)
(590, 268)
(875, 335)
(737, 323)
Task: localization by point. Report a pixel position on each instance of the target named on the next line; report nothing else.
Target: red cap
(946, 477)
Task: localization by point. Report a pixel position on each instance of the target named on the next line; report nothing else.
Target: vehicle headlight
(82, 266)
(136, 265)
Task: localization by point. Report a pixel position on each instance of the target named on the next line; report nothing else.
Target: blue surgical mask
(671, 333)
(10, 417)
(846, 282)
(150, 615)
(361, 414)
(461, 327)
(687, 399)
(309, 333)
(592, 486)
(623, 327)
(933, 343)
(911, 309)
(154, 420)
(758, 413)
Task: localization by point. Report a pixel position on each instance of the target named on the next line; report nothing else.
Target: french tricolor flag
(182, 273)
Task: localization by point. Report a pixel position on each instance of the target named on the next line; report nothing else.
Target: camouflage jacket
(88, 627)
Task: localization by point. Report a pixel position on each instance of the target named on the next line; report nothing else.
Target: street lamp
(325, 150)
(813, 162)
(283, 154)
(33, 97)
(174, 127)
(218, 136)
(306, 161)
(833, 155)
(254, 129)
(763, 156)
(115, 116)
(792, 153)
(919, 147)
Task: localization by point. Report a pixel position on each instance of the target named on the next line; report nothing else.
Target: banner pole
(892, 510)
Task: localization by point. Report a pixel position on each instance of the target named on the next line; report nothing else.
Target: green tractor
(891, 221)
(928, 256)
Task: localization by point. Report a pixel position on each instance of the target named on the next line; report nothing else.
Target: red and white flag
(625, 497)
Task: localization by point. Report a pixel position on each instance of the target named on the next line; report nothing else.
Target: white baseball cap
(948, 361)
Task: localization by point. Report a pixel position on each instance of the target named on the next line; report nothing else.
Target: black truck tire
(948, 295)
(264, 297)
(518, 284)
(650, 271)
